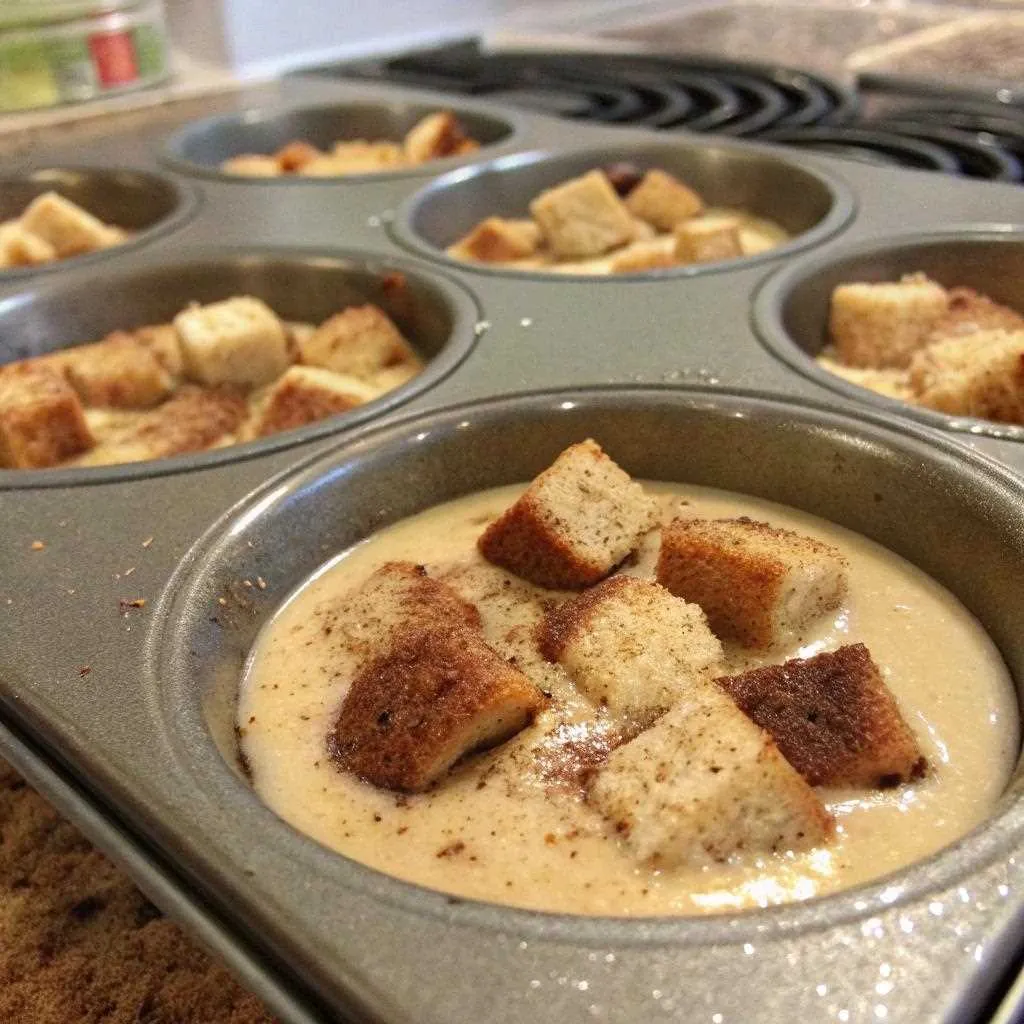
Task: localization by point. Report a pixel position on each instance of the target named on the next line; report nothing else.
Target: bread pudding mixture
(513, 825)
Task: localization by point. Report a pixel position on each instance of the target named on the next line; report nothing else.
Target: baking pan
(130, 702)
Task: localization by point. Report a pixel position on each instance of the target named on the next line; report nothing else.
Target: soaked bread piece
(708, 239)
(632, 647)
(662, 200)
(118, 372)
(969, 311)
(162, 340)
(583, 217)
(305, 394)
(436, 136)
(705, 783)
(359, 341)
(433, 696)
(882, 325)
(498, 240)
(832, 717)
(980, 374)
(757, 584)
(67, 227)
(576, 521)
(653, 254)
(42, 422)
(20, 248)
(892, 383)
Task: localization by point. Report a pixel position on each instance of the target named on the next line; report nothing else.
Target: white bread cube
(708, 239)
(436, 693)
(882, 325)
(252, 165)
(632, 647)
(238, 341)
(758, 585)
(67, 227)
(704, 784)
(360, 341)
(583, 217)
(118, 373)
(663, 201)
(574, 523)
(498, 240)
(979, 374)
(306, 394)
(42, 422)
(435, 136)
(20, 248)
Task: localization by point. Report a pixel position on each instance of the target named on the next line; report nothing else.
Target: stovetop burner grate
(703, 94)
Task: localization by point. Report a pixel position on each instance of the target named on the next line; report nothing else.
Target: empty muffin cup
(435, 316)
(202, 147)
(142, 204)
(808, 204)
(791, 310)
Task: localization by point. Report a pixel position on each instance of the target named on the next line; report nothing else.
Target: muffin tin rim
(165, 648)
(771, 294)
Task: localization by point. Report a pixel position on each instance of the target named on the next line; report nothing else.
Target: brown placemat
(79, 944)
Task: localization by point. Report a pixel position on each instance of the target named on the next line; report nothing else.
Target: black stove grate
(703, 94)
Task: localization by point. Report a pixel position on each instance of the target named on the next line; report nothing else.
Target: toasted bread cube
(20, 248)
(583, 217)
(632, 647)
(708, 240)
(641, 256)
(663, 200)
(969, 311)
(305, 394)
(41, 419)
(833, 718)
(356, 157)
(67, 227)
(162, 340)
(892, 383)
(433, 696)
(238, 341)
(295, 156)
(435, 136)
(758, 585)
(703, 784)
(395, 376)
(360, 341)
(575, 522)
(980, 374)
(883, 325)
(497, 240)
(118, 372)
(253, 165)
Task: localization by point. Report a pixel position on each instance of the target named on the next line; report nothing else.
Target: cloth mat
(79, 944)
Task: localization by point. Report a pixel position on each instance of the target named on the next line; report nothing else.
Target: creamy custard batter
(511, 826)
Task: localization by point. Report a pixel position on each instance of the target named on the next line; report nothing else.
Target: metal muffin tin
(122, 714)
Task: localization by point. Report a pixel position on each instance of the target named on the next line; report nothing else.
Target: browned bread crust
(833, 718)
(42, 422)
(119, 372)
(192, 419)
(969, 311)
(436, 694)
(571, 618)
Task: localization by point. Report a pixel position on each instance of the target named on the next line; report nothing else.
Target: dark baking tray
(133, 734)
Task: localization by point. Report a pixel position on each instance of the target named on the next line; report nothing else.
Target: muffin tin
(123, 713)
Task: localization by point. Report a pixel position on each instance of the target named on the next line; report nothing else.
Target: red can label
(114, 57)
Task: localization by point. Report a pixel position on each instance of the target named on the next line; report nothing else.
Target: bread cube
(435, 136)
(574, 523)
(360, 341)
(41, 419)
(118, 372)
(758, 585)
(583, 217)
(395, 376)
(980, 374)
(892, 383)
(882, 325)
(641, 256)
(295, 156)
(305, 394)
(20, 248)
(498, 240)
(238, 341)
(433, 696)
(252, 165)
(969, 311)
(833, 718)
(356, 157)
(162, 340)
(67, 227)
(663, 200)
(703, 784)
(632, 647)
(708, 240)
